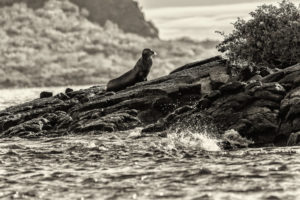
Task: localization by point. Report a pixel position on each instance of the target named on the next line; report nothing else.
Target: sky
(179, 3)
(198, 19)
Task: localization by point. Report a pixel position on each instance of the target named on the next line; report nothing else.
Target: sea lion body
(138, 74)
(120, 83)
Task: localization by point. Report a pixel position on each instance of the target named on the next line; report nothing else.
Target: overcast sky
(175, 3)
(198, 19)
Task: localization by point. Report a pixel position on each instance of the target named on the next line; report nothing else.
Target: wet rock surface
(200, 94)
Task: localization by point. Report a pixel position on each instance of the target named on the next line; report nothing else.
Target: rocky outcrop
(265, 111)
(94, 110)
(126, 14)
(195, 96)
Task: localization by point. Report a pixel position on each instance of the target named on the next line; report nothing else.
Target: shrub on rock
(270, 38)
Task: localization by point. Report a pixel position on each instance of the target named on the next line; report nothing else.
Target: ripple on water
(180, 166)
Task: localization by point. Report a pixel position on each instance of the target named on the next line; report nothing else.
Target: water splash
(190, 140)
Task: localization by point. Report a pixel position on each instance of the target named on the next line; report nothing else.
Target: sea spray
(193, 140)
(189, 141)
(135, 133)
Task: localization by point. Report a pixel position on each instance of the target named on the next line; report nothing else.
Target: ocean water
(10, 97)
(123, 165)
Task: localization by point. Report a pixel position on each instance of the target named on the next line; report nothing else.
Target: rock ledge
(266, 111)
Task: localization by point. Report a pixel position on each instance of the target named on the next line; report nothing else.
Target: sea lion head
(147, 53)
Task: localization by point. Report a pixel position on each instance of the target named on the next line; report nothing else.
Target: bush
(270, 38)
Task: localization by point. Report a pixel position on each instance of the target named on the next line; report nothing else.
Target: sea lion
(138, 74)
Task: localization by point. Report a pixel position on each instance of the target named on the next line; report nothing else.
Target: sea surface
(122, 165)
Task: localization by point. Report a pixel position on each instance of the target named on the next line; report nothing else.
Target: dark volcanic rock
(69, 90)
(218, 76)
(263, 111)
(197, 64)
(46, 94)
(195, 96)
(294, 139)
(94, 110)
(232, 87)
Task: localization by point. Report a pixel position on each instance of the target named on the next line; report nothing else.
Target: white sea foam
(191, 140)
(135, 133)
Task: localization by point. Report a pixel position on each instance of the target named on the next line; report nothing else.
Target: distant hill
(125, 13)
(56, 45)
